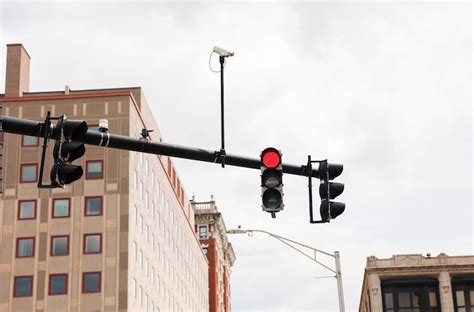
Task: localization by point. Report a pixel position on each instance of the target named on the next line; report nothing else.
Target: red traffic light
(271, 157)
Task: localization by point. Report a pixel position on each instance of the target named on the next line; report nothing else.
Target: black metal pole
(222, 155)
(310, 189)
(92, 137)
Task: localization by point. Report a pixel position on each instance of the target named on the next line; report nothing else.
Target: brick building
(120, 238)
(211, 230)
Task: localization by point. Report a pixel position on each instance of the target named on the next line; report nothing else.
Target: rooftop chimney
(17, 79)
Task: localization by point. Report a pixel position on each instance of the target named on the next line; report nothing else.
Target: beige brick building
(418, 283)
(120, 238)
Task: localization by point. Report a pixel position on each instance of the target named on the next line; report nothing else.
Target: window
(61, 208)
(92, 243)
(140, 259)
(135, 289)
(57, 284)
(91, 282)
(25, 247)
(94, 169)
(28, 173)
(205, 250)
(141, 224)
(59, 245)
(203, 232)
(23, 286)
(134, 251)
(93, 206)
(147, 203)
(29, 141)
(140, 188)
(135, 178)
(463, 293)
(26, 209)
(410, 295)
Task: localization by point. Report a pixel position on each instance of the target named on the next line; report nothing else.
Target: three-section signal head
(272, 182)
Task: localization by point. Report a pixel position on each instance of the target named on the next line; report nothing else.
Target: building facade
(418, 283)
(120, 238)
(210, 227)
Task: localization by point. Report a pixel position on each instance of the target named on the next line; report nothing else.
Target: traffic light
(330, 190)
(66, 151)
(272, 180)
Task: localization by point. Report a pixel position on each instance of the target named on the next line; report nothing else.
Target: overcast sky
(384, 88)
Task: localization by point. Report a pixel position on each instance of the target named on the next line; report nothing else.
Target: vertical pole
(340, 292)
(221, 61)
(310, 188)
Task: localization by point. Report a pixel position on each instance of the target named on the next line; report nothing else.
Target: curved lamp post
(287, 241)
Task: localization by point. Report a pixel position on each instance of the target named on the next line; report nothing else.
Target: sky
(384, 88)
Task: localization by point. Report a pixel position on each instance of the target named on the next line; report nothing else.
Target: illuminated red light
(271, 158)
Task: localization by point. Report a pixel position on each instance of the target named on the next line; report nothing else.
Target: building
(120, 238)
(212, 235)
(418, 283)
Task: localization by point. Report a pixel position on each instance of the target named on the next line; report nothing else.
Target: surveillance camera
(222, 52)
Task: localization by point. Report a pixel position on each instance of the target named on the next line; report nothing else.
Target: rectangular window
(134, 251)
(93, 206)
(152, 276)
(206, 250)
(23, 286)
(140, 259)
(94, 169)
(147, 203)
(28, 173)
(147, 232)
(59, 245)
(26, 209)
(147, 272)
(135, 289)
(91, 282)
(29, 141)
(202, 232)
(92, 243)
(136, 215)
(140, 295)
(61, 207)
(140, 188)
(57, 284)
(25, 247)
(135, 179)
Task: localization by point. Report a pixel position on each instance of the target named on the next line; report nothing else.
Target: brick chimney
(17, 79)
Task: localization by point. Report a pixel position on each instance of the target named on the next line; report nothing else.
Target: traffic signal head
(71, 128)
(66, 150)
(330, 190)
(272, 180)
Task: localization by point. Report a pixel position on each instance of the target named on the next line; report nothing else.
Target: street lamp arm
(304, 254)
(292, 241)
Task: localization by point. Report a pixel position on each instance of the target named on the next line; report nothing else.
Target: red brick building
(211, 231)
